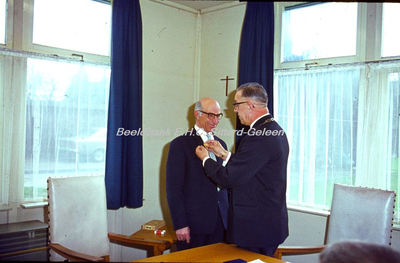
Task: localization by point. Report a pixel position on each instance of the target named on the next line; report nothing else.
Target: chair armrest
(73, 255)
(297, 250)
(159, 246)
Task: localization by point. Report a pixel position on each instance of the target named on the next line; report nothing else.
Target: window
(81, 25)
(393, 132)
(55, 104)
(340, 109)
(317, 109)
(3, 16)
(390, 39)
(66, 109)
(312, 31)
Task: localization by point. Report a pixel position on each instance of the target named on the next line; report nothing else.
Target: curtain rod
(28, 54)
(337, 65)
(288, 8)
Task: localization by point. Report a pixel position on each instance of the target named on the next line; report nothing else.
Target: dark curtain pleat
(256, 57)
(124, 156)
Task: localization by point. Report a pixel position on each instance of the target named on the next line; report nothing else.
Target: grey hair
(254, 91)
(198, 107)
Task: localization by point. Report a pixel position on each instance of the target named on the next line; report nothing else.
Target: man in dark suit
(198, 207)
(256, 175)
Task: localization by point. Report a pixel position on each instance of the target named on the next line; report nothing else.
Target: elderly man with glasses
(198, 206)
(256, 175)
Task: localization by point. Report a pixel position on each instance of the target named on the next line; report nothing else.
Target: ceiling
(197, 4)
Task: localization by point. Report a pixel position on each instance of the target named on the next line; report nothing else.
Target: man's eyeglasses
(236, 104)
(211, 116)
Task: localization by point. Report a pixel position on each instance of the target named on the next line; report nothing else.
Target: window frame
(23, 11)
(368, 47)
(9, 24)
(19, 26)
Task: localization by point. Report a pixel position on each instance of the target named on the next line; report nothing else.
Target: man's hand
(183, 234)
(201, 152)
(216, 147)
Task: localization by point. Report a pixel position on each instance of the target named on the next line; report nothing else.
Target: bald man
(256, 174)
(198, 207)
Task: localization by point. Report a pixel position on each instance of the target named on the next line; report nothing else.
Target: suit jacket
(193, 198)
(256, 175)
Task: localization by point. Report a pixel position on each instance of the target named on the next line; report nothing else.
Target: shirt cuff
(227, 159)
(205, 159)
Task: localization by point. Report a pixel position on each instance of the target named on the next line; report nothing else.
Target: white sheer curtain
(66, 114)
(12, 123)
(317, 110)
(343, 126)
(377, 131)
(378, 146)
(53, 122)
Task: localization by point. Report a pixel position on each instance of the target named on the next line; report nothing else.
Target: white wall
(220, 39)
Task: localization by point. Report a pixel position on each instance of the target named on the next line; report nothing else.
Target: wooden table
(219, 252)
(169, 235)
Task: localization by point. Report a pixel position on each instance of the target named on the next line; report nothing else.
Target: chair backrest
(359, 252)
(360, 213)
(78, 215)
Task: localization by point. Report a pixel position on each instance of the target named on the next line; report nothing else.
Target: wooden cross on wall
(226, 88)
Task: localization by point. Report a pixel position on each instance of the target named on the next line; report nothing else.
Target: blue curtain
(256, 55)
(124, 156)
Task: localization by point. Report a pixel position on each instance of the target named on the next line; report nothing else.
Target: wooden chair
(357, 213)
(78, 227)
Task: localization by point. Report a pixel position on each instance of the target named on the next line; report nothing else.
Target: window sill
(309, 210)
(34, 205)
(5, 208)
